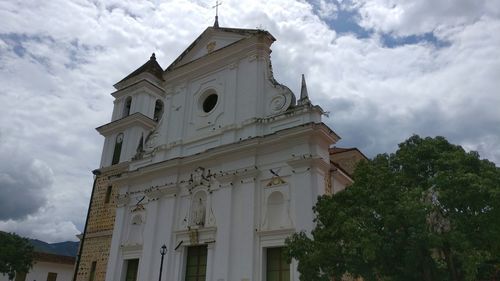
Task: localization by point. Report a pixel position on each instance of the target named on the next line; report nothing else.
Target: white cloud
(57, 91)
(408, 17)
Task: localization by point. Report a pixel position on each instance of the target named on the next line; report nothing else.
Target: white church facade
(214, 159)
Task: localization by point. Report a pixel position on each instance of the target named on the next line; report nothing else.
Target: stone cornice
(145, 76)
(114, 169)
(155, 193)
(307, 161)
(136, 119)
(99, 234)
(241, 146)
(154, 88)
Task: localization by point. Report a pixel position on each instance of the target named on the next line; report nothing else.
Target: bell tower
(138, 108)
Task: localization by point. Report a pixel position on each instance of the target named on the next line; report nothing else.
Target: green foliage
(429, 211)
(16, 254)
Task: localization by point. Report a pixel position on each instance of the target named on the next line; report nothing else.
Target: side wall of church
(99, 229)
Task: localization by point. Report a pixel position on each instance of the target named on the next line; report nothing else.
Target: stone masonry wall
(99, 229)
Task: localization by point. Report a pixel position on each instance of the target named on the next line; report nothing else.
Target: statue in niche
(198, 209)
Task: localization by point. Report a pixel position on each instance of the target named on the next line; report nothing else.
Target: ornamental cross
(217, 4)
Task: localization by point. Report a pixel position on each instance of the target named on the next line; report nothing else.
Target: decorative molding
(131, 251)
(122, 200)
(204, 235)
(274, 186)
(253, 57)
(276, 179)
(233, 65)
(193, 236)
(146, 82)
(306, 161)
(243, 175)
(273, 238)
(211, 221)
(99, 234)
(138, 208)
(131, 247)
(283, 231)
(155, 193)
(280, 102)
(211, 46)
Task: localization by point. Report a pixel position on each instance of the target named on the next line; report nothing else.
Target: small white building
(221, 161)
(47, 267)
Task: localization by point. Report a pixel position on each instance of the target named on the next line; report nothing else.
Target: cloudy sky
(384, 69)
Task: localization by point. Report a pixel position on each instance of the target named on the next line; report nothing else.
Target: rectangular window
(20, 276)
(196, 265)
(108, 194)
(132, 267)
(52, 276)
(277, 269)
(92, 271)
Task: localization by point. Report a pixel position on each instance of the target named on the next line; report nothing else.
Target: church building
(212, 158)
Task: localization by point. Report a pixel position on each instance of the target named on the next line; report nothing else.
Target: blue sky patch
(392, 41)
(346, 18)
(346, 22)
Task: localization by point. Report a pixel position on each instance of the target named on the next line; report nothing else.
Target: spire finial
(153, 56)
(304, 96)
(217, 4)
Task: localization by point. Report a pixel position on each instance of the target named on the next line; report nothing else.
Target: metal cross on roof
(217, 4)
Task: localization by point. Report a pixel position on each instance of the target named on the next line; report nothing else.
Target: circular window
(210, 102)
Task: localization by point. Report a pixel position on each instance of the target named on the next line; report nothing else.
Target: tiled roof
(46, 257)
(151, 66)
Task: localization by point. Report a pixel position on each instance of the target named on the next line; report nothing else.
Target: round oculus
(210, 102)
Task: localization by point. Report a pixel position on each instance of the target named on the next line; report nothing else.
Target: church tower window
(158, 110)
(118, 149)
(126, 108)
(277, 268)
(196, 266)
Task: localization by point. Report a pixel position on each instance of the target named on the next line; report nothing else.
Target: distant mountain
(67, 248)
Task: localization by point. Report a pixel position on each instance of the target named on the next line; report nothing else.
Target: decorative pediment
(212, 40)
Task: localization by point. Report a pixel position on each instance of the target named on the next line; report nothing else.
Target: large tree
(16, 254)
(429, 211)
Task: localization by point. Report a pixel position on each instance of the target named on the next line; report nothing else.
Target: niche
(198, 209)
(135, 230)
(276, 210)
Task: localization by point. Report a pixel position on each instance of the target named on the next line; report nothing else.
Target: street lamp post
(163, 251)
